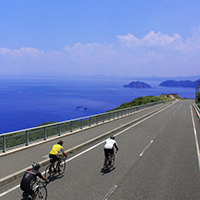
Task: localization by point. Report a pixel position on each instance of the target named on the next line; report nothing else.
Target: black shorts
(27, 189)
(53, 158)
(107, 152)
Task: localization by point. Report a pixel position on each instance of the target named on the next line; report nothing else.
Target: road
(158, 159)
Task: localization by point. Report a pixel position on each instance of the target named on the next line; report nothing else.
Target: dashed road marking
(110, 192)
(141, 154)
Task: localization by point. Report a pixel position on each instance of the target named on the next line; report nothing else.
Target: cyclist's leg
(53, 160)
(111, 152)
(105, 161)
(33, 196)
(51, 165)
(27, 190)
(58, 165)
(106, 153)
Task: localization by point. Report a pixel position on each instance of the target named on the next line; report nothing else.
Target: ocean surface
(26, 103)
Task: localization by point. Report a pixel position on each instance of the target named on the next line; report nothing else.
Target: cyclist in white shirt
(109, 146)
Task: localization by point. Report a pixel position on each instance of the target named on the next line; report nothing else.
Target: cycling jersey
(29, 179)
(110, 144)
(56, 149)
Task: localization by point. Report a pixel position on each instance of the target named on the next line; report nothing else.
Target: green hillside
(143, 100)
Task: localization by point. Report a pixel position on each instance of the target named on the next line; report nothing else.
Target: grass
(144, 100)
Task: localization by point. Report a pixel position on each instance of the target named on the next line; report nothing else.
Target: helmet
(112, 137)
(60, 142)
(36, 165)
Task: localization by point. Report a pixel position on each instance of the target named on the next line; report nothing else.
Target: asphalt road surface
(158, 159)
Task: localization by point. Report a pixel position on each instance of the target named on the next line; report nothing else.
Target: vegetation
(198, 99)
(47, 123)
(144, 100)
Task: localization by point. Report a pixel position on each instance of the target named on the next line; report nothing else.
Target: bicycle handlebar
(44, 184)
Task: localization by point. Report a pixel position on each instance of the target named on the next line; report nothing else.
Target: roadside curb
(45, 162)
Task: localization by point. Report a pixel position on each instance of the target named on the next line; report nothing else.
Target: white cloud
(4, 51)
(151, 57)
(151, 39)
(23, 52)
(159, 39)
(154, 54)
(129, 40)
(192, 45)
(90, 52)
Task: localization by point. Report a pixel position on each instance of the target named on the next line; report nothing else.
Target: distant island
(137, 84)
(184, 84)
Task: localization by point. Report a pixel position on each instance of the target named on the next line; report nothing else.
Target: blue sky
(88, 38)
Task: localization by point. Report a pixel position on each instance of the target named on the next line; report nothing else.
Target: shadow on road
(107, 170)
(55, 177)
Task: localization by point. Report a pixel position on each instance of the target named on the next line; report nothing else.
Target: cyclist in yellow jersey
(56, 152)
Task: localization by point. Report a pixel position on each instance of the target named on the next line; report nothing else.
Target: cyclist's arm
(46, 180)
(64, 154)
(115, 145)
(42, 177)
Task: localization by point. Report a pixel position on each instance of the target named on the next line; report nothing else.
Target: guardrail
(196, 106)
(26, 137)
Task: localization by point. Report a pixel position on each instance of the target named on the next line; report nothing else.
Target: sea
(29, 102)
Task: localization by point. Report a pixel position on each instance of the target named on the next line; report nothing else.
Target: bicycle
(40, 191)
(110, 161)
(52, 168)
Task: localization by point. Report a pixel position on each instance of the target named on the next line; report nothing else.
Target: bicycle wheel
(63, 165)
(47, 172)
(41, 193)
(112, 160)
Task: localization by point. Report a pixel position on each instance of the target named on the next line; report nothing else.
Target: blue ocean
(26, 103)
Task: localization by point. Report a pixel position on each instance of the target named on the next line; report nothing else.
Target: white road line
(17, 186)
(195, 135)
(110, 192)
(10, 190)
(85, 151)
(146, 148)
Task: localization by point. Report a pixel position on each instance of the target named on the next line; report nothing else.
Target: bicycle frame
(38, 187)
(55, 166)
(111, 159)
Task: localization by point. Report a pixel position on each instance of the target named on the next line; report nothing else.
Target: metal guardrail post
(27, 138)
(71, 125)
(45, 133)
(4, 144)
(59, 130)
(89, 121)
(81, 124)
(97, 119)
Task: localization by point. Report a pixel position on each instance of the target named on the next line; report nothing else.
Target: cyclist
(110, 144)
(56, 152)
(29, 178)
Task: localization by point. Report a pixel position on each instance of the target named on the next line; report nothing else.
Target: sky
(139, 38)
